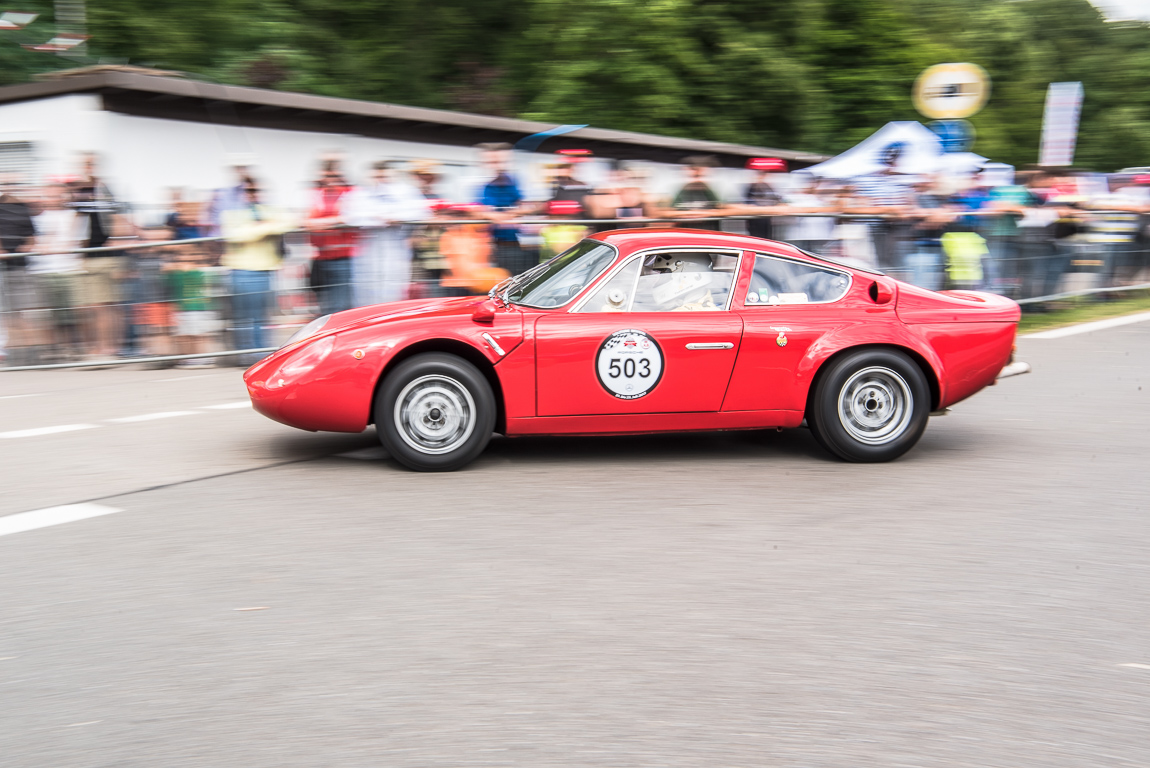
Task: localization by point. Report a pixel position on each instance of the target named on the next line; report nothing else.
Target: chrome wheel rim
(875, 406)
(435, 414)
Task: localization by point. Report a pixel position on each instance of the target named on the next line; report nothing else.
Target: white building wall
(142, 158)
(60, 128)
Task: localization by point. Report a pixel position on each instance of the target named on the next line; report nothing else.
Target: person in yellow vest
(560, 236)
(253, 233)
(964, 254)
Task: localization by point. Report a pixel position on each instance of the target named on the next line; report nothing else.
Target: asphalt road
(718, 600)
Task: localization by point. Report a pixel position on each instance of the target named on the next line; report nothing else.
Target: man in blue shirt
(502, 200)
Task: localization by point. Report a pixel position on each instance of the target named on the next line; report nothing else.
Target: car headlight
(311, 329)
(301, 361)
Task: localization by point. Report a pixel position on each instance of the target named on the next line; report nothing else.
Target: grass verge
(1081, 310)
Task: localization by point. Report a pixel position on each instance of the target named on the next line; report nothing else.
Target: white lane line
(187, 378)
(1136, 666)
(47, 430)
(1097, 325)
(42, 518)
(152, 416)
(366, 454)
(13, 397)
(229, 406)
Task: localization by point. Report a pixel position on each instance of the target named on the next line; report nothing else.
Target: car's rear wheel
(435, 412)
(870, 405)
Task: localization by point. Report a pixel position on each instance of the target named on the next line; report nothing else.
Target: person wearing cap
(559, 236)
(232, 196)
(761, 196)
(253, 233)
(567, 188)
(334, 243)
(886, 192)
(384, 209)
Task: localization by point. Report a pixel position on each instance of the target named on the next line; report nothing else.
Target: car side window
(782, 281)
(685, 281)
(615, 294)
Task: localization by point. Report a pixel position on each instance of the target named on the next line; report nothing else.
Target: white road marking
(153, 416)
(376, 453)
(123, 420)
(47, 430)
(1136, 666)
(229, 406)
(13, 397)
(90, 722)
(1097, 325)
(253, 608)
(42, 518)
(186, 378)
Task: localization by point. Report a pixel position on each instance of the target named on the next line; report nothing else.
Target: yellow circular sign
(951, 91)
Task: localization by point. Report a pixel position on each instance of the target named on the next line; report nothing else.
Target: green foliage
(818, 75)
(17, 65)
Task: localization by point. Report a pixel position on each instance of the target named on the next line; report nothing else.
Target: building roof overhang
(181, 98)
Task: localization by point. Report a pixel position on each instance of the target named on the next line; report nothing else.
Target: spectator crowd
(83, 278)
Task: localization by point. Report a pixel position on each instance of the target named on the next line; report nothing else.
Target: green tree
(818, 75)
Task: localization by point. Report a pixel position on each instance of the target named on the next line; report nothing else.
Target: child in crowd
(196, 323)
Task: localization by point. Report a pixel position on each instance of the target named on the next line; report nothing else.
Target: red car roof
(630, 240)
(635, 239)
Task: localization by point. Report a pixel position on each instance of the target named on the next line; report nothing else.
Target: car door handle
(710, 345)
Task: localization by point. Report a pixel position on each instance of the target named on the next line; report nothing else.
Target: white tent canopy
(921, 154)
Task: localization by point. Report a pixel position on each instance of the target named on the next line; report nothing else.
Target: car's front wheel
(435, 412)
(870, 405)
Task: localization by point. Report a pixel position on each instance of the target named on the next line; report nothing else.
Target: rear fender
(855, 337)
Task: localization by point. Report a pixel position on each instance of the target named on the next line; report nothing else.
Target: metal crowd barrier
(1017, 266)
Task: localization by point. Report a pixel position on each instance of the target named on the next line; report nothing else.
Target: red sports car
(640, 331)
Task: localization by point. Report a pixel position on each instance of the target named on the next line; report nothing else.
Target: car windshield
(558, 281)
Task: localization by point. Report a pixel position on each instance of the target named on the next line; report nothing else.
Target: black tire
(434, 412)
(870, 405)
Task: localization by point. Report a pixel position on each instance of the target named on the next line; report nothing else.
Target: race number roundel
(629, 364)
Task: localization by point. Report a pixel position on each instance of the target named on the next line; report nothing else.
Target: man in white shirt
(57, 268)
(381, 270)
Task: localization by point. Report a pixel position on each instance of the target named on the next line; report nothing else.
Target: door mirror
(484, 312)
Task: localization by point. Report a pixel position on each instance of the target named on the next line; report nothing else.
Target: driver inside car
(679, 282)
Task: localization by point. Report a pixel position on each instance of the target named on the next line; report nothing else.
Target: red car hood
(457, 305)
